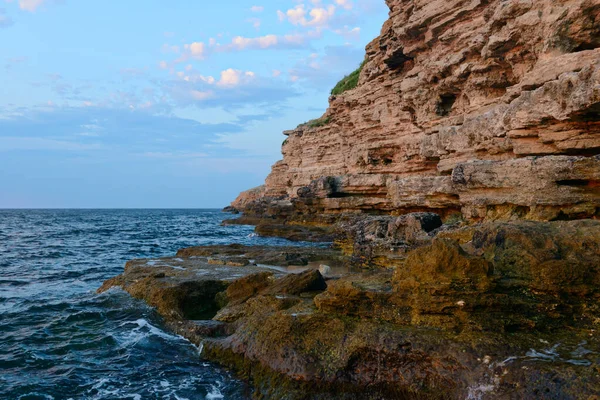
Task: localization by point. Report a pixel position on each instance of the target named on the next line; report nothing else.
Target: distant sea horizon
(111, 208)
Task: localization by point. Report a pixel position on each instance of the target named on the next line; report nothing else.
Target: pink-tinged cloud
(31, 5)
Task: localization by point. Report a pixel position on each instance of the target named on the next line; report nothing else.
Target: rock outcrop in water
(494, 311)
(487, 108)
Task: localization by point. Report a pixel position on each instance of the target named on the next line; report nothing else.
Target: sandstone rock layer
(490, 108)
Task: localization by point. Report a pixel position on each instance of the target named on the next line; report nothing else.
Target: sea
(61, 340)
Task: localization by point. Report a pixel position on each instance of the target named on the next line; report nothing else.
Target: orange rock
(489, 108)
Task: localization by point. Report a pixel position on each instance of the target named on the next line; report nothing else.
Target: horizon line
(111, 208)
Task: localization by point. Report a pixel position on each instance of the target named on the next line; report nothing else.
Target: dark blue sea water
(61, 340)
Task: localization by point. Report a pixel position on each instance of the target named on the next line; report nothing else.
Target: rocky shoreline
(459, 187)
(499, 310)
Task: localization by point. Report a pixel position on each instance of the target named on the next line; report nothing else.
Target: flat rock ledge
(490, 311)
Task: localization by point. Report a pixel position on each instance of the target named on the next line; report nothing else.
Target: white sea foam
(144, 330)
(45, 396)
(552, 355)
(215, 393)
(100, 383)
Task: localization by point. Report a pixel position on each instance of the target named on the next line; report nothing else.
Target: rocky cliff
(466, 113)
(490, 108)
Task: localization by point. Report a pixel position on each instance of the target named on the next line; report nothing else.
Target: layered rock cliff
(490, 108)
(466, 112)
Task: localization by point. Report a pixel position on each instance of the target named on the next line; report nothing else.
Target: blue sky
(154, 103)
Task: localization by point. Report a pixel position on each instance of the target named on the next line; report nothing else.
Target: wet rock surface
(281, 256)
(496, 310)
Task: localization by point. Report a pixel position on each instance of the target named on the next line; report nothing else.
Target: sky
(163, 104)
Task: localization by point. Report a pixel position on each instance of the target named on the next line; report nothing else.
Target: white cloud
(319, 16)
(170, 49)
(31, 5)
(231, 88)
(297, 15)
(347, 33)
(296, 38)
(230, 77)
(200, 95)
(197, 49)
(255, 22)
(347, 4)
(257, 9)
(263, 42)
(233, 77)
(312, 18)
(196, 78)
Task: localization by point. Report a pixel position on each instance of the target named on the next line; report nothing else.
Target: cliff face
(487, 107)
(490, 108)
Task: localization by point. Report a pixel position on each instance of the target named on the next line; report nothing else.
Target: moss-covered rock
(296, 284)
(506, 276)
(498, 311)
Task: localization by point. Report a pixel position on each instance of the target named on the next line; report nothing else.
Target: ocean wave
(13, 282)
(61, 340)
(143, 331)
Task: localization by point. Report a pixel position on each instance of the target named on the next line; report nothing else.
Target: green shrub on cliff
(348, 82)
(316, 123)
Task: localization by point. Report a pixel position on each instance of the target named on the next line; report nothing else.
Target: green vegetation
(316, 123)
(348, 82)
